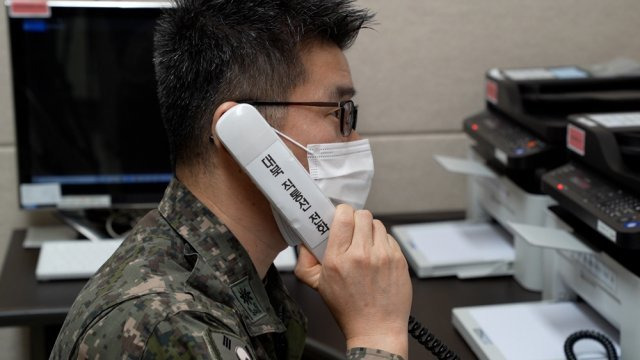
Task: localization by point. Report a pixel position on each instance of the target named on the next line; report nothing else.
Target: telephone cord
(429, 341)
(589, 334)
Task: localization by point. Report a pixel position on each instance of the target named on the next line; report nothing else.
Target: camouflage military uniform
(181, 286)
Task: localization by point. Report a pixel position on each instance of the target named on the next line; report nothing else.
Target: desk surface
(26, 302)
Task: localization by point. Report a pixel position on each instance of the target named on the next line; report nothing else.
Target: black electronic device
(88, 127)
(590, 236)
(609, 143)
(597, 201)
(540, 99)
(505, 142)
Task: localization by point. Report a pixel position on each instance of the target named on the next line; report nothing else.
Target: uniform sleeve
(184, 336)
(370, 354)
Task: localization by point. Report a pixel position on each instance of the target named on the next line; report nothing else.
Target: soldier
(194, 279)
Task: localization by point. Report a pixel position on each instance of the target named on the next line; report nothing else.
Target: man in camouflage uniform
(195, 278)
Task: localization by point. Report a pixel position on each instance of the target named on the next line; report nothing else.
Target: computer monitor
(88, 128)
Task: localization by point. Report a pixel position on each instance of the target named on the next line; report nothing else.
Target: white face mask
(343, 171)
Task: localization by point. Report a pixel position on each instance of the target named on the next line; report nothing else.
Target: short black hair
(207, 52)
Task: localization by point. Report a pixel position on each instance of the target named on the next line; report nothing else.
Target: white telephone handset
(278, 174)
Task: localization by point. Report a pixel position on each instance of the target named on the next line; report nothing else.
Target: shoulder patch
(246, 298)
(230, 347)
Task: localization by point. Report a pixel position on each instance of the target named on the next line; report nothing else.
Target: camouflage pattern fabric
(182, 287)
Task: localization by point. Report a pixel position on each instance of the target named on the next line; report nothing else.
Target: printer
(592, 258)
(601, 184)
(523, 128)
(540, 99)
(521, 135)
(590, 241)
(511, 150)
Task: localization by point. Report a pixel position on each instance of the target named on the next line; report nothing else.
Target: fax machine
(589, 241)
(540, 99)
(523, 128)
(601, 185)
(598, 194)
(520, 136)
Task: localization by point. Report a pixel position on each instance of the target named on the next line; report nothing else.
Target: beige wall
(11, 339)
(6, 106)
(421, 71)
(418, 74)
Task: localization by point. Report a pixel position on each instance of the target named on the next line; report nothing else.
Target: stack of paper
(457, 248)
(531, 331)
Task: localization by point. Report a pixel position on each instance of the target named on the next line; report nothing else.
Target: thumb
(308, 268)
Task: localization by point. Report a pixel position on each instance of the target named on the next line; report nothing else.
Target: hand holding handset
(292, 192)
(278, 174)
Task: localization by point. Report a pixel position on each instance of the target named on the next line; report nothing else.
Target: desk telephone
(292, 192)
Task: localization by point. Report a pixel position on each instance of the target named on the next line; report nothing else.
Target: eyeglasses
(348, 113)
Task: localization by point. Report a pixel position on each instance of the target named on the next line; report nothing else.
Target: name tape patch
(244, 295)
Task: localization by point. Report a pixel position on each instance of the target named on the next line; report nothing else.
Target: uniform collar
(224, 261)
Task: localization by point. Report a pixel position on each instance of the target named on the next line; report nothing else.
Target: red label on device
(492, 92)
(576, 139)
(29, 8)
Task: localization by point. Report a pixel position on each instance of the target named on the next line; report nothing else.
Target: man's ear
(216, 116)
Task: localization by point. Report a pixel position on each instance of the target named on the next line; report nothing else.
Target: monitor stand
(79, 222)
(76, 226)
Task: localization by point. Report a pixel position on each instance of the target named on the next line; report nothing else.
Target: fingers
(393, 243)
(358, 231)
(341, 231)
(363, 230)
(380, 236)
(385, 243)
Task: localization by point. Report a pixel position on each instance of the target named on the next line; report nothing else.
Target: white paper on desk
(464, 166)
(549, 238)
(460, 242)
(537, 331)
(37, 235)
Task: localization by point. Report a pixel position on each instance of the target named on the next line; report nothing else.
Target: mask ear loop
(293, 141)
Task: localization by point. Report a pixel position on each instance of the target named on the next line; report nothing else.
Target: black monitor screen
(89, 132)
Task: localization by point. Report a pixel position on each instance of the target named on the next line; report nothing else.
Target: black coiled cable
(429, 341)
(589, 334)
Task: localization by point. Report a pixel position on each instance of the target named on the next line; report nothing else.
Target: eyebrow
(342, 92)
